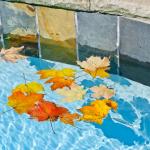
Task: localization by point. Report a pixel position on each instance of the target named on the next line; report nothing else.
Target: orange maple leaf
(60, 82)
(22, 102)
(69, 118)
(46, 110)
(59, 78)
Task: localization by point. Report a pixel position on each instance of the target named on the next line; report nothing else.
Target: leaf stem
(52, 126)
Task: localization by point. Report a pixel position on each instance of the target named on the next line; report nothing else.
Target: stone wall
(132, 8)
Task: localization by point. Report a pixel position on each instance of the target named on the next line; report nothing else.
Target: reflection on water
(51, 50)
(135, 70)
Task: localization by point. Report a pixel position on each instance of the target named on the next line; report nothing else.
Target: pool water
(128, 128)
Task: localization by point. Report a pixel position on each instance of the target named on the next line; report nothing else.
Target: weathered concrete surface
(16, 19)
(58, 25)
(68, 4)
(131, 8)
(97, 30)
(135, 39)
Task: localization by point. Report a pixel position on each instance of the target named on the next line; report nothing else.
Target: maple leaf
(46, 110)
(97, 110)
(74, 93)
(50, 73)
(60, 82)
(100, 72)
(36, 112)
(11, 54)
(102, 91)
(110, 103)
(21, 102)
(31, 87)
(90, 114)
(95, 66)
(59, 78)
(69, 118)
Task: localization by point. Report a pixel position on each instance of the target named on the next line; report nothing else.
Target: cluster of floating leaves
(29, 97)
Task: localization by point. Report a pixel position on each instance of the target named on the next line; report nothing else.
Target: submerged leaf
(102, 91)
(74, 93)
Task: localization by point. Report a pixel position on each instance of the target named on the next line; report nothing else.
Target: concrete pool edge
(133, 9)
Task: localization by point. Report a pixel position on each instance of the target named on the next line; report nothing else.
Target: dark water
(51, 50)
(135, 70)
(129, 67)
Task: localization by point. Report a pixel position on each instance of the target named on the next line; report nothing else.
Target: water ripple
(17, 132)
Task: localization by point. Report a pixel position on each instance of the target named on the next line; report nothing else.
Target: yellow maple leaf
(74, 93)
(50, 73)
(99, 72)
(31, 87)
(107, 102)
(97, 110)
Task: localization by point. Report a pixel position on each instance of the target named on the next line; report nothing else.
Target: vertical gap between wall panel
(76, 28)
(118, 45)
(1, 33)
(38, 32)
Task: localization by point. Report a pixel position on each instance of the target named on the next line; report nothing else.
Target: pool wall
(68, 35)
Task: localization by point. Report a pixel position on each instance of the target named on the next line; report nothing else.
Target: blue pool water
(128, 128)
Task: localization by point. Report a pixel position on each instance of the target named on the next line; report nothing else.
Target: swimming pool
(128, 128)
